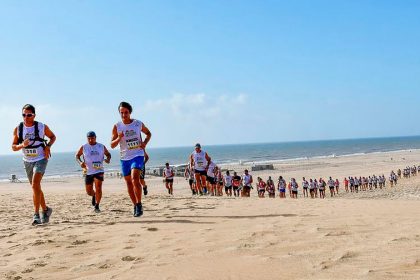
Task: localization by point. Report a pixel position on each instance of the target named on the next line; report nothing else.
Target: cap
(198, 145)
(91, 134)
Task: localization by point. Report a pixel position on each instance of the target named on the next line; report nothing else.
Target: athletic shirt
(94, 157)
(228, 180)
(305, 184)
(270, 186)
(261, 186)
(199, 160)
(130, 143)
(331, 183)
(210, 170)
(168, 173)
(294, 186)
(33, 154)
(247, 180)
(282, 184)
(321, 185)
(312, 185)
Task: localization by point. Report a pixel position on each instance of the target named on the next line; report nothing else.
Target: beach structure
(259, 167)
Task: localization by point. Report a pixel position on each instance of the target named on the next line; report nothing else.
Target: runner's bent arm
(116, 138)
(107, 154)
(146, 131)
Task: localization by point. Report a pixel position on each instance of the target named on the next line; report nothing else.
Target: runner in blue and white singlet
(128, 135)
(200, 160)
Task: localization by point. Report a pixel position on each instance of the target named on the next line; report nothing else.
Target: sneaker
(93, 200)
(145, 190)
(97, 210)
(37, 220)
(46, 215)
(139, 209)
(135, 211)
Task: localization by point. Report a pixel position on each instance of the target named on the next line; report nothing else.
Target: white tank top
(199, 160)
(130, 143)
(168, 173)
(210, 170)
(33, 154)
(94, 158)
(228, 180)
(247, 179)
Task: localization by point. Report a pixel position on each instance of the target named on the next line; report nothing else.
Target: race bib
(97, 165)
(200, 163)
(133, 144)
(31, 152)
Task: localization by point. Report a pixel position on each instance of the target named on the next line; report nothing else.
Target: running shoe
(45, 218)
(97, 210)
(140, 209)
(145, 190)
(37, 220)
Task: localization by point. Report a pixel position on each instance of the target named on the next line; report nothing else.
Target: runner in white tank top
(168, 174)
(200, 160)
(93, 157)
(127, 134)
(35, 157)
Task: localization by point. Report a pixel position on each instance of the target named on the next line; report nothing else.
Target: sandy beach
(369, 235)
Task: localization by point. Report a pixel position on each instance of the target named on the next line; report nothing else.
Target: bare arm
(52, 138)
(107, 154)
(146, 131)
(15, 145)
(78, 159)
(146, 157)
(116, 138)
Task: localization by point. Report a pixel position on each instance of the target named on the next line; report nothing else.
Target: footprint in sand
(152, 229)
(79, 242)
(28, 270)
(128, 259)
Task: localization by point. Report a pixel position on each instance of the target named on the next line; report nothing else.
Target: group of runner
(29, 136)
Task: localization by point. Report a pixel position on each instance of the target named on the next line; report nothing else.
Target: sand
(370, 235)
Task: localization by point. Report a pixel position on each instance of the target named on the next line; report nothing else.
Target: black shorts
(89, 179)
(247, 188)
(331, 187)
(220, 183)
(201, 172)
(294, 192)
(191, 182)
(169, 180)
(211, 180)
(228, 188)
(235, 189)
(261, 191)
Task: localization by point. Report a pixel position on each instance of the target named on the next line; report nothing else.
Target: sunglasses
(28, 115)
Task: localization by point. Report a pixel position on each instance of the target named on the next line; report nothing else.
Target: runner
(271, 188)
(337, 185)
(305, 186)
(199, 160)
(331, 184)
(321, 187)
(219, 181)
(236, 182)
(261, 187)
(93, 157)
(189, 175)
(168, 174)
(294, 188)
(227, 181)
(211, 178)
(247, 182)
(143, 174)
(127, 134)
(346, 184)
(312, 187)
(28, 136)
(282, 187)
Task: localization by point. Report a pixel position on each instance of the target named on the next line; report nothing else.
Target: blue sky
(217, 72)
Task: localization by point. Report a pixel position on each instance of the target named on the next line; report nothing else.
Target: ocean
(64, 164)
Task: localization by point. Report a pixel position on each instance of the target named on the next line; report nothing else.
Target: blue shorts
(135, 163)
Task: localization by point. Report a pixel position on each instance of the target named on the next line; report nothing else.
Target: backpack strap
(20, 133)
